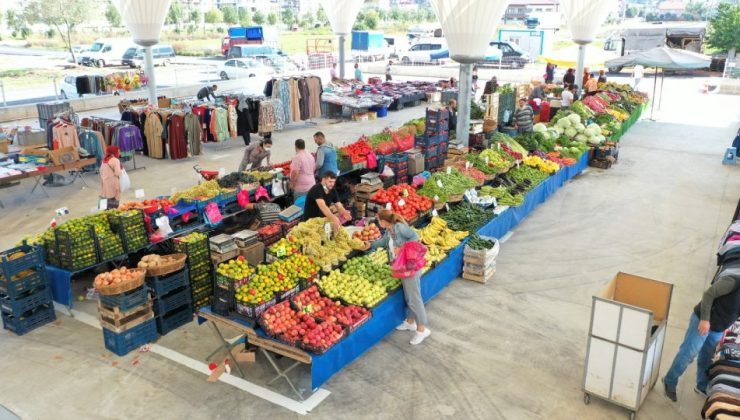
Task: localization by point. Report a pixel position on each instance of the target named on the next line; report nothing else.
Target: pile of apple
(322, 337)
(287, 324)
(352, 289)
(311, 302)
(369, 233)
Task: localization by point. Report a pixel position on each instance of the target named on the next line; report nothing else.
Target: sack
(124, 181)
(410, 259)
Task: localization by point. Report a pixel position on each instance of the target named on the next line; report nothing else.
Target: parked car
(129, 55)
(421, 51)
(68, 89)
(252, 51)
(281, 64)
(78, 50)
(106, 52)
(162, 55)
(512, 55)
(242, 68)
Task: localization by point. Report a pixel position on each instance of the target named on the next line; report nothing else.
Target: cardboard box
(32, 138)
(4, 144)
(254, 254)
(65, 155)
(218, 258)
(242, 355)
(30, 154)
(416, 165)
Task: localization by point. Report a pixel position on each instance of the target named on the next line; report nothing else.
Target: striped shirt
(523, 118)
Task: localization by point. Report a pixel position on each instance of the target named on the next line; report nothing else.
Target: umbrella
(568, 57)
(492, 54)
(665, 58)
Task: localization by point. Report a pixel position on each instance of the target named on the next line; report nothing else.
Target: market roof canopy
(492, 54)
(585, 17)
(568, 57)
(469, 25)
(663, 57)
(144, 18)
(341, 14)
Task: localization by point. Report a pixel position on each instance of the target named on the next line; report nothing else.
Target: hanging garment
(315, 90)
(177, 141)
(279, 116)
(295, 100)
(92, 141)
(65, 135)
(194, 133)
(153, 130)
(284, 96)
(222, 124)
(231, 109)
(267, 117)
(304, 102)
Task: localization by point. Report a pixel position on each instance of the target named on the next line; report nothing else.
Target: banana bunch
(437, 233)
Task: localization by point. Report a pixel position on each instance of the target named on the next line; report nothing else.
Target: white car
(421, 51)
(78, 50)
(242, 68)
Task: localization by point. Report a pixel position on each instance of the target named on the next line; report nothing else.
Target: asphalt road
(8, 50)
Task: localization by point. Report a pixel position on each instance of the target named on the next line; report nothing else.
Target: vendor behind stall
(452, 105)
(326, 155)
(266, 212)
(320, 197)
(254, 154)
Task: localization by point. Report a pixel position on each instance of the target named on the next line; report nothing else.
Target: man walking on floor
(718, 310)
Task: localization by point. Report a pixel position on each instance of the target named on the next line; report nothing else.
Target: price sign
(486, 160)
(436, 198)
(327, 230)
(401, 203)
(447, 207)
(517, 164)
(467, 165)
(405, 193)
(435, 213)
(388, 206)
(498, 146)
(102, 205)
(449, 170)
(439, 183)
(139, 193)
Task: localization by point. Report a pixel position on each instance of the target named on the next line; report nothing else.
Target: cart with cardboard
(629, 318)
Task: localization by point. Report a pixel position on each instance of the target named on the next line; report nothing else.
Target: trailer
(368, 45)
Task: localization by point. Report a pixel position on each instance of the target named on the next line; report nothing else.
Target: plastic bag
(387, 148)
(277, 188)
(372, 160)
(213, 214)
(410, 259)
(163, 224)
(242, 197)
(124, 181)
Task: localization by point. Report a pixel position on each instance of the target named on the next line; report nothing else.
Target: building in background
(264, 6)
(675, 8)
(300, 7)
(521, 10)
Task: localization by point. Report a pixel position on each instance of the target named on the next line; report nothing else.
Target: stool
(730, 156)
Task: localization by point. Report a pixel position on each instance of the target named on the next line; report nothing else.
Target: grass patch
(13, 73)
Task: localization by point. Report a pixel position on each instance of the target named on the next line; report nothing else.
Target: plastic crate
(193, 249)
(48, 110)
(28, 302)
(437, 114)
(222, 301)
(254, 311)
(429, 151)
(34, 279)
(30, 320)
(34, 258)
(161, 285)
(122, 343)
(108, 247)
(126, 301)
(131, 227)
(226, 198)
(167, 304)
(281, 296)
(175, 319)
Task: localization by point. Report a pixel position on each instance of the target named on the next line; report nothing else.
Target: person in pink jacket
(110, 174)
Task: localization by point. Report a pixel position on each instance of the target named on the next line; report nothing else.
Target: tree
(723, 33)
(307, 20)
(372, 19)
(230, 15)
(258, 18)
(17, 23)
(194, 16)
(321, 17)
(288, 17)
(695, 10)
(64, 16)
(395, 14)
(629, 13)
(176, 14)
(112, 15)
(247, 21)
(214, 16)
(272, 19)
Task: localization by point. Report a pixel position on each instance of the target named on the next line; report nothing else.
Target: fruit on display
(471, 172)
(357, 151)
(366, 268)
(269, 230)
(283, 166)
(277, 277)
(147, 205)
(443, 186)
(352, 289)
(193, 238)
(479, 244)
(413, 203)
(369, 233)
(117, 276)
(438, 233)
(150, 261)
(379, 256)
(260, 175)
(467, 217)
(131, 226)
(235, 179)
(322, 337)
(236, 271)
(285, 246)
(281, 319)
(546, 166)
(326, 252)
(205, 191)
(322, 308)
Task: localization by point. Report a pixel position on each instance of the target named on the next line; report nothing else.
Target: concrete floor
(511, 349)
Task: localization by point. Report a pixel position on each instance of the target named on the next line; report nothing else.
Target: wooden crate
(115, 320)
(477, 277)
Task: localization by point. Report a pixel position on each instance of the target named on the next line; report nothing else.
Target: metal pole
(655, 84)
(662, 79)
(463, 103)
(152, 84)
(341, 56)
(2, 87)
(580, 64)
(56, 92)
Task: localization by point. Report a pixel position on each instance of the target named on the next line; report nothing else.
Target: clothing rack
(133, 155)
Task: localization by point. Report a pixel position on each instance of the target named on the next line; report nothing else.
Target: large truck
(242, 35)
(368, 45)
(685, 36)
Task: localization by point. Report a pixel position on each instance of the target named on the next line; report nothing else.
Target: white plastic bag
(124, 180)
(277, 188)
(163, 223)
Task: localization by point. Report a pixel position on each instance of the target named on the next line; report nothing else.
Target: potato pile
(150, 261)
(119, 275)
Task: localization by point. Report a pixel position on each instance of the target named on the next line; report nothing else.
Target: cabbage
(580, 127)
(593, 140)
(570, 132)
(539, 128)
(563, 122)
(601, 138)
(574, 118)
(553, 133)
(595, 126)
(559, 129)
(581, 138)
(592, 131)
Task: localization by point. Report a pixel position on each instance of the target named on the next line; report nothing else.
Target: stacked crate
(127, 320)
(399, 163)
(480, 265)
(75, 249)
(25, 292)
(173, 301)
(195, 246)
(433, 143)
(131, 227)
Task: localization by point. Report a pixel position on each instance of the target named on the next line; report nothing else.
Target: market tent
(492, 54)
(665, 58)
(568, 57)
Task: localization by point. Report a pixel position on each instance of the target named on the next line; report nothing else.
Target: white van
(106, 52)
(422, 50)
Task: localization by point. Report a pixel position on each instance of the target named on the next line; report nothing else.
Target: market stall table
(75, 167)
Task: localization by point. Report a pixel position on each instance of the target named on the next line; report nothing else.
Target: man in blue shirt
(326, 155)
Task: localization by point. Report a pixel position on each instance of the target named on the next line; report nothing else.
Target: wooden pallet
(117, 321)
